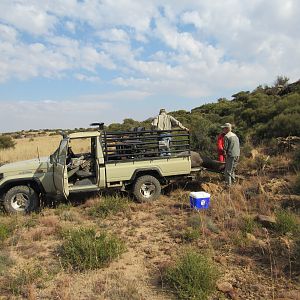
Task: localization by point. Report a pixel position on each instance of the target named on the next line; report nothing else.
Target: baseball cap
(226, 125)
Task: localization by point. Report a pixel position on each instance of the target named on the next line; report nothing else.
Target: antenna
(38, 153)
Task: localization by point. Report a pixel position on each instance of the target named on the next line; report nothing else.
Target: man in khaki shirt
(166, 122)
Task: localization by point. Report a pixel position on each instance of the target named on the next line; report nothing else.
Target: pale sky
(67, 63)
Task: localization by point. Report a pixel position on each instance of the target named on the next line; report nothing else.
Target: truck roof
(85, 134)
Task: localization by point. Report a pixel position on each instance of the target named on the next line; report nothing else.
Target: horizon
(65, 64)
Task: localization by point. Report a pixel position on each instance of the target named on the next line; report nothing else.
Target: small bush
(248, 225)
(28, 274)
(109, 205)
(6, 142)
(287, 222)
(83, 249)
(192, 277)
(190, 235)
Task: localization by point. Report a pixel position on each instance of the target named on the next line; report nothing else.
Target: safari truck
(138, 161)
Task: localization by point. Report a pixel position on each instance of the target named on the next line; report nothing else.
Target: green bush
(83, 249)
(193, 276)
(109, 205)
(287, 222)
(6, 142)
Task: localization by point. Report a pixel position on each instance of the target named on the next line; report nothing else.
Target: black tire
(21, 199)
(146, 188)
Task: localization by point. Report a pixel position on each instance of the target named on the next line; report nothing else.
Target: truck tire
(146, 188)
(21, 199)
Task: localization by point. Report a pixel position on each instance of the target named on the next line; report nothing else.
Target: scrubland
(106, 246)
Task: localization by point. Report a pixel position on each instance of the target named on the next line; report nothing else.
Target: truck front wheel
(21, 199)
(146, 188)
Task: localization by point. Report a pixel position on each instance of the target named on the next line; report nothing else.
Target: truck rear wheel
(146, 188)
(21, 199)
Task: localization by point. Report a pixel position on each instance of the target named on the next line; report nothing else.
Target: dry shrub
(49, 221)
(119, 287)
(62, 290)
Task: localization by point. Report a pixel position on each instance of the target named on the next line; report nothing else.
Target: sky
(67, 63)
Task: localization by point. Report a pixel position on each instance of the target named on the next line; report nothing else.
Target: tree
(6, 142)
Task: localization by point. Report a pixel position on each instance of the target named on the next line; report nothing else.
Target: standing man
(232, 152)
(165, 122)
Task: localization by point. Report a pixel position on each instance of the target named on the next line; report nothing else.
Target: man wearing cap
(165, 122)
(232, 152)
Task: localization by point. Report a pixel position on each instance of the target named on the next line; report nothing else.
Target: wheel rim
(147, 189)
(20, 201)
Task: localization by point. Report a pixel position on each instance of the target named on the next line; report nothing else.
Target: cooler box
(199, 200)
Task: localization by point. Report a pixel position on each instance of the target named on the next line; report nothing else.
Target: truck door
(60, 173)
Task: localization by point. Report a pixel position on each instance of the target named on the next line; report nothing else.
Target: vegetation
(108, 205)
(287, 222)
(28, 274)
(297, 184)
(6, 142)
(260, 115)
(193, 276)
(83, 249)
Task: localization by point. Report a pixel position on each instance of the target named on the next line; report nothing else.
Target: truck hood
(26, 165)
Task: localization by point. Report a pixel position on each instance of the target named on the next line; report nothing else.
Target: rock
(225, 287)
(266, 221)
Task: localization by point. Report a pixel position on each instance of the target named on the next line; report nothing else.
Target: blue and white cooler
(199, 200)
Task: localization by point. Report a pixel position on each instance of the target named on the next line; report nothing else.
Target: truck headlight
(1, 176)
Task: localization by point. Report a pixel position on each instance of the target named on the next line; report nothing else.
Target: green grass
(109, 205)
(193, 276)
(190, 235)
(83, 249)
(287, 222)
(248, 225)
(4, 232)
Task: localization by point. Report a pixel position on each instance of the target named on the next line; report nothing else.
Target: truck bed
(165, 166)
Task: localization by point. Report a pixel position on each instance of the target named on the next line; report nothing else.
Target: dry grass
(28, 148)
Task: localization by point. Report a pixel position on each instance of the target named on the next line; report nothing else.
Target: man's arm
(155, 122)
(175, 122)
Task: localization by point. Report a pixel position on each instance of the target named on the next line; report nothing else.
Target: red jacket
(220, 147)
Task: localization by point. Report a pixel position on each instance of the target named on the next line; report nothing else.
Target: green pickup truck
(135, 161)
